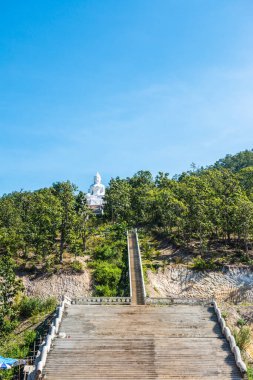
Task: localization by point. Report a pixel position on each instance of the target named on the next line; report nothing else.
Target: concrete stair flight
(140, 342)
(135, 269)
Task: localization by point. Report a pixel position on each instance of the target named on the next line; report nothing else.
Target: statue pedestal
(94, 200)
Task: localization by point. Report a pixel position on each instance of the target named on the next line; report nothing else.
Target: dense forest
(37, 228)
(213, 203)
(205, 204)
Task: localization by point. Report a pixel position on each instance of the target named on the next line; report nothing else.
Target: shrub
(105, 253)
(107, 274)
(107, 278)
(29, 337)
(7, 375)
(49, 264)
(109, 261)
(76, 266)
(224, 314)
(20, 347)
(105, 291)
(7, 325)
(33, 306)
(242, 337)
(146, 250)
(49, 304)
(241, 322)
(201, 264)
(29, 307)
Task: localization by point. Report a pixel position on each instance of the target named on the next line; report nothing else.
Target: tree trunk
(62, 245)
(84, 243)
(246, 245)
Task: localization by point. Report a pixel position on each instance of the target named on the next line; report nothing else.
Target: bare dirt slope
(58, 284)
(179, 281)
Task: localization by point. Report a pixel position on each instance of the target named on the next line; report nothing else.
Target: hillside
(236, 162)
(196, 234)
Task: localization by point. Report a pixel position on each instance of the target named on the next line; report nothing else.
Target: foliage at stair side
(19, 315)
(109, 262)
(242, 337)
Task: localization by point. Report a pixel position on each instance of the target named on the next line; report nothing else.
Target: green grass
(242, 337)
(250, 373)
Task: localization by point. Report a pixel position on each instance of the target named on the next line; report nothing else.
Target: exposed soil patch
(232, 283)
(58, 284)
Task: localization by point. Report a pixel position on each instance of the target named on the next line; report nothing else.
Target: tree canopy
(204, 204)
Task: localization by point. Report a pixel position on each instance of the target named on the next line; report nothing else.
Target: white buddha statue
(97, 188)
(96, 192)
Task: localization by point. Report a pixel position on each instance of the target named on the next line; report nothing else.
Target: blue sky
(119, 86)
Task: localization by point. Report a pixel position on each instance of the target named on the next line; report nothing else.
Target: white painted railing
(101, 301)
(231, 340)
(175, 301)
(46, 345)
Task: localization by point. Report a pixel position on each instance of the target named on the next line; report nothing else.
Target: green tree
(244, 219)
(195, 192)
(65, 192)
(236, 162)
(245, 177)
(229, 191)
(11, 224)
(9, 287)
(44, 221)
(141, 183)
(83, 225)
(166, 210)
(118, 201)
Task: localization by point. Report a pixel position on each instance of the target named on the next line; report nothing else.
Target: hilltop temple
(96, 194)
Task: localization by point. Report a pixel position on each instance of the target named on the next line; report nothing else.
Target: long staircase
(138, 290)
(140, 342)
